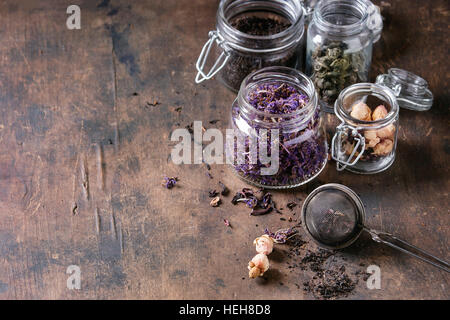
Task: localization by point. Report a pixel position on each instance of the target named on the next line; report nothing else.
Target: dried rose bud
(361, 111)
(371, 138)
(386, 132)
(215, 202)
(380, 112)
(258, 265)
(384, 147)
(264, 244)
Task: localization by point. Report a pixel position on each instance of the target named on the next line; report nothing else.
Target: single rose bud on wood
(361, 111)
(380, 112)
(258, 265)
(264, 244)
(387, 132)
(215, 202)
(384, 147)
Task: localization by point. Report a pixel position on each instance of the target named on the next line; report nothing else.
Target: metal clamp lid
(308, 9)
(214, 37)
(336, 152)
(411, 90)
(374, 21)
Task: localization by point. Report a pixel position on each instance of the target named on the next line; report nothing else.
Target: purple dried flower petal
(169, 183)
(282, 235)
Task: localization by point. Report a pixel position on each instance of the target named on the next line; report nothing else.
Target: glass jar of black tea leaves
(339, 45)
(250, 35)
(279, 139)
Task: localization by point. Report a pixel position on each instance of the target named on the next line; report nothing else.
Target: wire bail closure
(214, 37)
(375, 21)
(336, 148)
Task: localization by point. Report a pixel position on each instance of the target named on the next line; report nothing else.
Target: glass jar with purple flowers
(277, 139)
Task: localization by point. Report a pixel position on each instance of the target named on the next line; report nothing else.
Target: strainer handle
(396, 243)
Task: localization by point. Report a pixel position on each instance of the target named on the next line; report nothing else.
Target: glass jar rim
(344, 29)
(387, 93)
(279, 74)
(287, 38)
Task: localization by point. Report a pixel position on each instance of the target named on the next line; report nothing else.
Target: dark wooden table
(82, 156)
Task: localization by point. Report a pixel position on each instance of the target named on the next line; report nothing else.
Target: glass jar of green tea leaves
(250, 35)
(339, 45)
(278, 128)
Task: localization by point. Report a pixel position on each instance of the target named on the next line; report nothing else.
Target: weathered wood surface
(69, 119)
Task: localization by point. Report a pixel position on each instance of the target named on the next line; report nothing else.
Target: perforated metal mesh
(332, 216)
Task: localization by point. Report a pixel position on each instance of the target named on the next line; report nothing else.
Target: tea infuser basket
(334, 216)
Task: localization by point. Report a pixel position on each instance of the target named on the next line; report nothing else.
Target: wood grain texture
(82, 158)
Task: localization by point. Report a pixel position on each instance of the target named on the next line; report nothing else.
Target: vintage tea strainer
(334, 216)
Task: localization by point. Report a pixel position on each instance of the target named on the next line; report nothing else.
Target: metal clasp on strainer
(336, 146)
(214, 37)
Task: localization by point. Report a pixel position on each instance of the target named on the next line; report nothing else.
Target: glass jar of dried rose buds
(278, 139)
(366, 140)
(339, 45)
(250, 35)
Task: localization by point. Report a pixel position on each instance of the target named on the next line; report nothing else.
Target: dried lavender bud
(237, 197)
(291, 205)
(260, 202)
(277, 98)
(212, 193)
(224, 190)
(261, 211)
(266, 201)
(169, 183)
(282, 235)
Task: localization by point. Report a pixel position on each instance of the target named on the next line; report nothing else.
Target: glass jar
(297, 147)
(365, 146)
(339, 46)
(366, 142)
(238, 53)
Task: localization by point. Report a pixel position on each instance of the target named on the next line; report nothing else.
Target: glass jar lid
(411, 90)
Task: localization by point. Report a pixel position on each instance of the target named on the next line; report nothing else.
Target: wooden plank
(83, 153)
